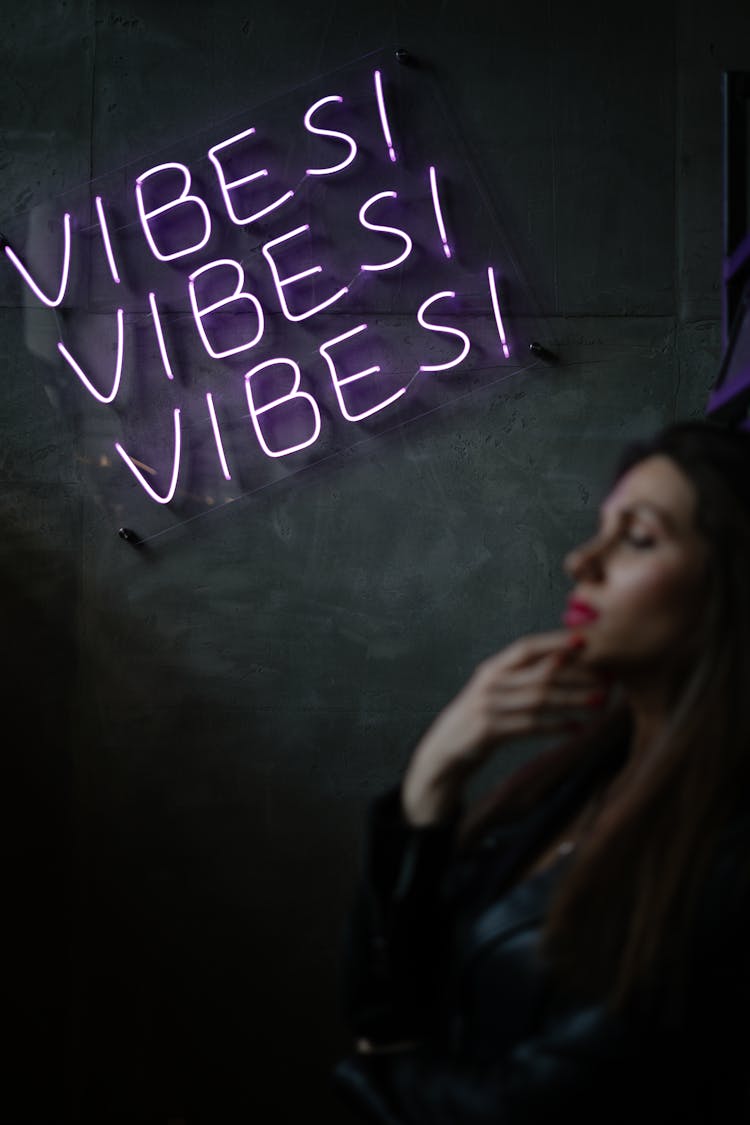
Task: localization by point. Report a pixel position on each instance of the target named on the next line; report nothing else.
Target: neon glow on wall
(261, 272)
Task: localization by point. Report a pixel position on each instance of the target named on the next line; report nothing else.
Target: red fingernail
(576, 641)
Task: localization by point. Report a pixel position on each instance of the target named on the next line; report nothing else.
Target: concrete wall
(193, 732)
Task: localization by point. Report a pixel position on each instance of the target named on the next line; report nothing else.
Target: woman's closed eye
(641, 541)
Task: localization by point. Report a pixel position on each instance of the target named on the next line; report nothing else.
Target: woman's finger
(547, 672)
(535, 700)
(527, 650)
(517, 725)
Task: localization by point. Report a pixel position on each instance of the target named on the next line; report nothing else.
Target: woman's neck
(650, 702)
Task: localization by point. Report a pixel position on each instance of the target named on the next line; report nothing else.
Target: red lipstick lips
(579, 613)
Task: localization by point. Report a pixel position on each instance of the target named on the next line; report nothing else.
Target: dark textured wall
(192, 733)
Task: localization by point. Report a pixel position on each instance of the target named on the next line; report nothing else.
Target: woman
(576, 946)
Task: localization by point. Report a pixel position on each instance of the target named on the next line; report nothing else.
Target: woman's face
(643, 575)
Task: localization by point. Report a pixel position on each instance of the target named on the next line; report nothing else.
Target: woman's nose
(583, 560)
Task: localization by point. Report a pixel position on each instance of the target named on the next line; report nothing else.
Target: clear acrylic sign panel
(268, 293)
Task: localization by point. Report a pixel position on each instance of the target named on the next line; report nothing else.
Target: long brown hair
(622, 913)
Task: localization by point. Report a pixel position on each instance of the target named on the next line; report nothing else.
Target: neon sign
(272, 284)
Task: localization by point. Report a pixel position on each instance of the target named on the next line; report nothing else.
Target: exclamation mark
(384, 116)
(217, 436)
(496, 310)
(106, 240)
(438, 212)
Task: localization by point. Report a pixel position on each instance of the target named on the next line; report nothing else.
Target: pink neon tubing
(294, 393)
(496, 310)
(442, 328)
(199, 314)
(438, 212)
(384, 116)
(105, 239)
(280, 282)
(65, 270)
(385, 230)
(160, 336)
(118, 366)
(175, 466)
(184, 198)
(217, 436)
(329, 133)
(339, 383)
(226, 186)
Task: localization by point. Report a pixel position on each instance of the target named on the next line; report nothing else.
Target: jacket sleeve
(578, 1068)
(392, 951)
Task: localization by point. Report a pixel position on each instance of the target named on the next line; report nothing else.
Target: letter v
(65, 269)
(175, 466)
(84, 378)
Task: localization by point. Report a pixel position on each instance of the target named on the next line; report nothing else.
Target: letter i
(160, 336)
(106, 239)
(217, 436)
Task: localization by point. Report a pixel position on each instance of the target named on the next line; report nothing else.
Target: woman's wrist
(427, 801)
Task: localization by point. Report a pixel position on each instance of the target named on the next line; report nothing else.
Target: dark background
(192, 733)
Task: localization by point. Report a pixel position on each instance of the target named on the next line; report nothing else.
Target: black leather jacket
(441, 952)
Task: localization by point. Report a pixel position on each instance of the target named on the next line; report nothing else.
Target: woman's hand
(534, 686)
